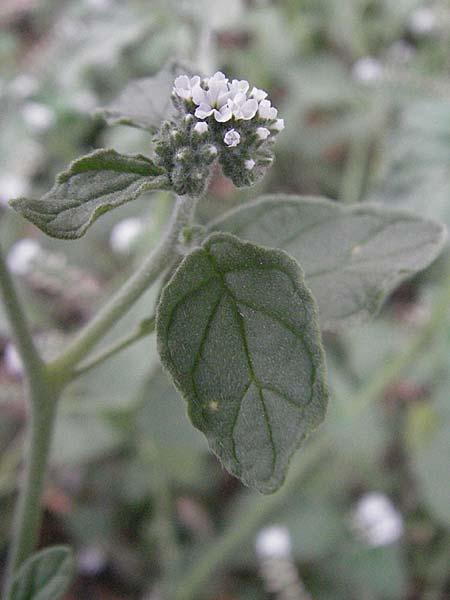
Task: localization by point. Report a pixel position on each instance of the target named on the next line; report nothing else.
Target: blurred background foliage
(364, 87)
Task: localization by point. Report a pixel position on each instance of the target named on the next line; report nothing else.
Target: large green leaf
(237, 331)
(46, 575)
(93, 185)
(352, 256)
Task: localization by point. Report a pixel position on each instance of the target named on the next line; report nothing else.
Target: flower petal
(203, 111)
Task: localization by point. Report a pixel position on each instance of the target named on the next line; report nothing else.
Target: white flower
(91, 560)
(258, 94)
(12, 186)
(201, 127)
(242, 107)
(249, 164)
(278, 125)
(238, 87)
(232, 138)
(184, 86)
(377, 519)
(24, 86)
(124, 235)
(38, 116)
(266, 110)
(367, 70)
(13, 362)
(22, 256)
(214, 100)
(263, 133)
(423, 21)
(274, 541)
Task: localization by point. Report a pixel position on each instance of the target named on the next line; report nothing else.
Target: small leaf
(93, 185)
(237, 331)
(46, 575)
(145, 103)
(352, 256)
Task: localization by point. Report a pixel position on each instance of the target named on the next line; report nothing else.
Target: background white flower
(22, 256)
(377, 519)
(125, 234)
(273, 541)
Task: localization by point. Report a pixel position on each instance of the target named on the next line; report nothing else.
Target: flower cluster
(222, 119)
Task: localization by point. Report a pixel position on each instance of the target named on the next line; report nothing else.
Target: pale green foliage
(145, 103)
(237, 330)
(415, 171)
(352, 256)
(46, 575)
(93, 185)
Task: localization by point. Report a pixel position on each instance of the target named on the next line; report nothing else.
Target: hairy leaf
(93, 185)
(352, 256)
(237, 331)
(46, 575)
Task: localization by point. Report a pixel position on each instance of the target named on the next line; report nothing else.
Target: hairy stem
(46, 381)
(243, 528)
(28, 515)
(31, 360)
(156, 263)
(142, 330)
(42, 406)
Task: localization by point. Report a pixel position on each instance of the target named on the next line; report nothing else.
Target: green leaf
(352, 256)
(145, 103)
(415, 168)
(46, 575)
(93, 185)
(237, 331)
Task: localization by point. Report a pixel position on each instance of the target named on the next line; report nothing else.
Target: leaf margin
(25, 206)
(320, 391)
(388, 285)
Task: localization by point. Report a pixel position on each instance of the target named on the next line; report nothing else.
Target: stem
(31, 360)
(42, 406)
(167, 538)
(250, 519)
(248, 523)
(356, 170)
(142, 330)
(156, 263)
(28, 515)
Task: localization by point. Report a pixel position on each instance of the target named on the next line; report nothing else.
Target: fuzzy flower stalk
(217, 120)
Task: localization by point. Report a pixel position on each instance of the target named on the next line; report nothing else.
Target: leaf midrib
(253, 379)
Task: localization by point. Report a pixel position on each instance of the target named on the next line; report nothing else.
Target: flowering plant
(217, 119)
(243, 299)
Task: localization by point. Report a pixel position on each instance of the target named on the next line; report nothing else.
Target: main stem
(42, 407)
(45, 382)
(158, 261)
(28, 515)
